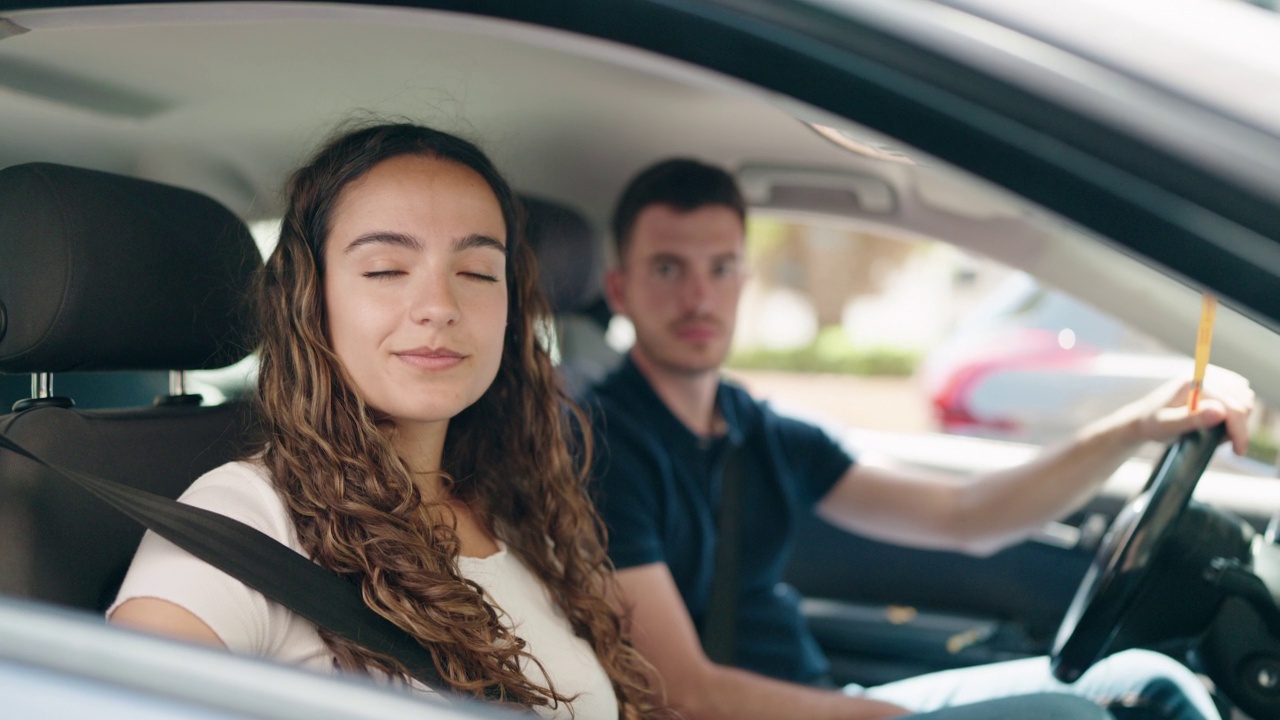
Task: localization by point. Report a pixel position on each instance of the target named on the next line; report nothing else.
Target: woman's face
(415, 287)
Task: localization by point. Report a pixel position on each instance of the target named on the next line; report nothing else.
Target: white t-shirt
(248, 623)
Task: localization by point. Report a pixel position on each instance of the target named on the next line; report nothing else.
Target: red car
(1032, 364)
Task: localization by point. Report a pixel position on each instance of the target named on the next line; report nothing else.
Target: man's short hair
(682, 183)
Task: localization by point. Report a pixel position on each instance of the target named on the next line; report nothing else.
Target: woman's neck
(421, 448)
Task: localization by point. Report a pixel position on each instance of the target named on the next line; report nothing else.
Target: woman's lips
(431, 358)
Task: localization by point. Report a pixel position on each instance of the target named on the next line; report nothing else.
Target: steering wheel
(1124, 558)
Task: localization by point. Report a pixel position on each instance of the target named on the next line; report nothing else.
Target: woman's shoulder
(243, 490)
(245, 480)
(250, 470)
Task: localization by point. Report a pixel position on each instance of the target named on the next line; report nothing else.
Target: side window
(864, 332)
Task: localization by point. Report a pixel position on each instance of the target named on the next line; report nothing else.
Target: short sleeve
(628, 486)
(817, 459)
(241, 617)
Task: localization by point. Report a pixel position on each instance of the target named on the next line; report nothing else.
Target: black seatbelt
(264, 564)
(721, 625)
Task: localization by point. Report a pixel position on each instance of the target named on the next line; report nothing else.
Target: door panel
(882, 612)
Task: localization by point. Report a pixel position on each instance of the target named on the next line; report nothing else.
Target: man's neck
(690, 396)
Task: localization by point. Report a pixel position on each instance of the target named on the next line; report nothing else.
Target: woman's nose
(434, 301)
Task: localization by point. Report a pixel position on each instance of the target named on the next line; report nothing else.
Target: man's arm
(983, 513)
(664, 634)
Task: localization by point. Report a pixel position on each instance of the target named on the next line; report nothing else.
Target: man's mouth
(697, 331)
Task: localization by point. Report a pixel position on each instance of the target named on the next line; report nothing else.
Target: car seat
(570, 258)
(100, 272)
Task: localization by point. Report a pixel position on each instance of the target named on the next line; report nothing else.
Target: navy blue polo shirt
(658, 486)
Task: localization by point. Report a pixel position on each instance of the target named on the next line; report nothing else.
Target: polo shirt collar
(667, 423)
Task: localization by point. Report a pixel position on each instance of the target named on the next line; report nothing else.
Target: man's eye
(724, 269)
(665, 270)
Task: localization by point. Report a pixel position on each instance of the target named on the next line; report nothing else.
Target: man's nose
(695, 291)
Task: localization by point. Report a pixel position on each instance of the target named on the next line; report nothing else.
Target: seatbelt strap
(264, 564)
(721, 625)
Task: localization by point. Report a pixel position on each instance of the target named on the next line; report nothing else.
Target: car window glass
(873, 332)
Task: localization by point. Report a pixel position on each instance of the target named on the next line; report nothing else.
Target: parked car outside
(1033, 364)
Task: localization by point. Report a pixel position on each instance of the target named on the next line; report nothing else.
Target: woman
(414, 441)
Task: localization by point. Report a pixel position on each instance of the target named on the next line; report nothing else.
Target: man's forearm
(981, 513)
(1005, 505)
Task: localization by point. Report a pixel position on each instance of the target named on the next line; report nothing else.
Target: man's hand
(1163, 415)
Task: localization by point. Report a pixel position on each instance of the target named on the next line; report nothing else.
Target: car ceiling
(227, 98)
(188, 95)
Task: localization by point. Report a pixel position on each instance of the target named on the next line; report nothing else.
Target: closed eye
(480, 276)
(383, 274)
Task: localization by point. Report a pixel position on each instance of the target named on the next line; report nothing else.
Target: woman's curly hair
(511, 457)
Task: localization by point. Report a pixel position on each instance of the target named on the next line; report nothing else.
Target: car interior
(61, 544)
(141, 157)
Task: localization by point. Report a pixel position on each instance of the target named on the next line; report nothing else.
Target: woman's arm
(164, 618)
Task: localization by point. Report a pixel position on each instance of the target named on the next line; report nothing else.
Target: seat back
(100, 273)
(571, 272)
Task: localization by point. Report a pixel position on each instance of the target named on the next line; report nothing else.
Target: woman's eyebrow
(476, 240)
(385, 237)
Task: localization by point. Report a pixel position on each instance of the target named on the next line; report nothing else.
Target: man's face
(679, 282)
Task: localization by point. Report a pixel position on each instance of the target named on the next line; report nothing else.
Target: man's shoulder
(622, 393)
(626, 418)
(759, 415)
(620, 380)
(739, 394)
(615, 419)
(752, 412)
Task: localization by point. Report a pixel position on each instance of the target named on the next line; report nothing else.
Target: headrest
(104, 272)
(570, 258)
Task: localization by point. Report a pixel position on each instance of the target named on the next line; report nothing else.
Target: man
(667, 423)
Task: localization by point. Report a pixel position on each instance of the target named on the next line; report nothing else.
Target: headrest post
(42, 394)
(41, 385)
(177, 383)
(178, 391)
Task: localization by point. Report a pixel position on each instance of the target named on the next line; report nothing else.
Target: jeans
(1133, 685)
